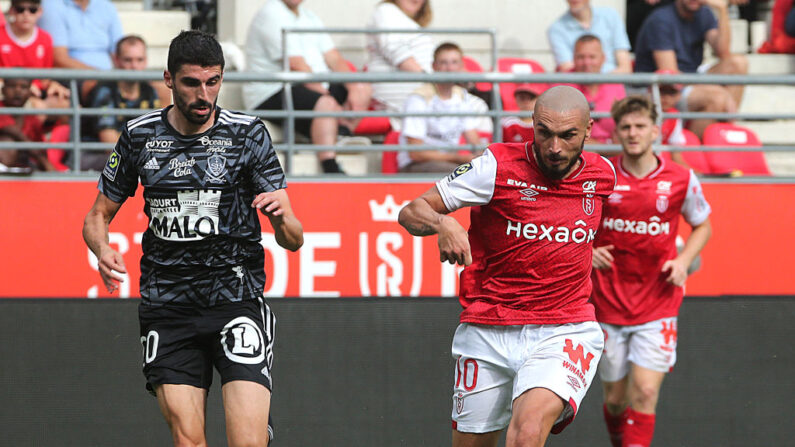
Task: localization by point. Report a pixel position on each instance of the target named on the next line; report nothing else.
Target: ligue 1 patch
(463, 169)
(112, 166)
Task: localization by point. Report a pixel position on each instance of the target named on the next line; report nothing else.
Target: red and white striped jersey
(531, 237)
(641, 219)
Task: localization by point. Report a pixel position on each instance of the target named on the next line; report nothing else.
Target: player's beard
(557, 173)
(187, 109)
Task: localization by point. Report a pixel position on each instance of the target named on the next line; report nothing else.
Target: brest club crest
(216, 168)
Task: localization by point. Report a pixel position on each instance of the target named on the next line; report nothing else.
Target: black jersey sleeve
(119, 178)
(264, 167)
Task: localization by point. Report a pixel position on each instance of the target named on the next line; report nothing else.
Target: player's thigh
(483, 379)
(489, 439)
(247, 410)
(564, 362)
(183, 407)
(534, 413)
(614, 363)
(652, 345)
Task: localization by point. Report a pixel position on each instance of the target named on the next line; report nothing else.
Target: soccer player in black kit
(205, 173)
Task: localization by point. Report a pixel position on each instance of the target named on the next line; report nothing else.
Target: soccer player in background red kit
(638, 275)
(528, 344)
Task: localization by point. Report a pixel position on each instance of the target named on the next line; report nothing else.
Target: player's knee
(645, 396)
(249, 440)
(187, 440)
(530, 432)
(615, 402)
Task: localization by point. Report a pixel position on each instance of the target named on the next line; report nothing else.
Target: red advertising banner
(353, 245)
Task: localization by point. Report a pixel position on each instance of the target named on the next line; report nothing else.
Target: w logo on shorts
(577, 355)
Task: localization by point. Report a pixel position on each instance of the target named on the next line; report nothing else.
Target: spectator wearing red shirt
(23, 44)
(520, 129)
(588, 58)
(23, 128)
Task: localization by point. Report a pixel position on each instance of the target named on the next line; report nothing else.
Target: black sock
(330, 166)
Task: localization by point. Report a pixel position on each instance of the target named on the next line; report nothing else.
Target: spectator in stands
(84, 34)
(130, 54)
(672, 38)
(672, 128)
(520, 129)
(393, 52)
(637, 11)
(23, 44)
(589, 58)
(23, 128)
(314, 53)
(439, 97)
(604, 23)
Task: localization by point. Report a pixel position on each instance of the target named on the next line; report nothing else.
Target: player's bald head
(563, 99)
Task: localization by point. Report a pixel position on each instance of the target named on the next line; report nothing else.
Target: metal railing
(654, 80)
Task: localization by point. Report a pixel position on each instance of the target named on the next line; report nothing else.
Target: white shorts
(651, 345)
(496, 364)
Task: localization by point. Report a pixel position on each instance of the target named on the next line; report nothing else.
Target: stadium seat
(695, 159)
(515, 65)
(743, 163)
(59, 134)
(472, 66)
(371, 125)
(389, 163)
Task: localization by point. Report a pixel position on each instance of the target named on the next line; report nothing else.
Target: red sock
(615, 425)
(639, 429)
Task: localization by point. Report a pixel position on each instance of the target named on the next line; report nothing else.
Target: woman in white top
(389, 52)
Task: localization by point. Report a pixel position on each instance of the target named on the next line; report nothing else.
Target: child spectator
(520, 129)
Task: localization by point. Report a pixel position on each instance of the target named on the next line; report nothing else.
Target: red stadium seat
(370, 126)
(389, 163)
(745, 163)
(59, 134)
(472, 66)
(695, 159)
(519, 66)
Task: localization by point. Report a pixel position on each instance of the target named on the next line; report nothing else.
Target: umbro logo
(152, 164)
(528, 192)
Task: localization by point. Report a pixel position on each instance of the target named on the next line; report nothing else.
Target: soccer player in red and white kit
(638, 275)
(528, 344)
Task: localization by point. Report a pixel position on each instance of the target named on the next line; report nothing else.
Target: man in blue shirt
(84, 34)
(672, 38)
(581, 19)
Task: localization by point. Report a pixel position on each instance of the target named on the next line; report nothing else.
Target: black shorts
(182, 343)
(303, 99)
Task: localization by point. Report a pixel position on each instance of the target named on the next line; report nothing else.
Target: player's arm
(95, 233)
(427, 215)
(695, 243)
(288, 229)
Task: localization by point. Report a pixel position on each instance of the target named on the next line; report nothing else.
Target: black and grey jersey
(202, 243)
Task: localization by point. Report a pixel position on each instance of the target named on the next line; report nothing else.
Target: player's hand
(678, 272)
(268, 203)
(454, 242)
(110, 265)
(602, 258)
